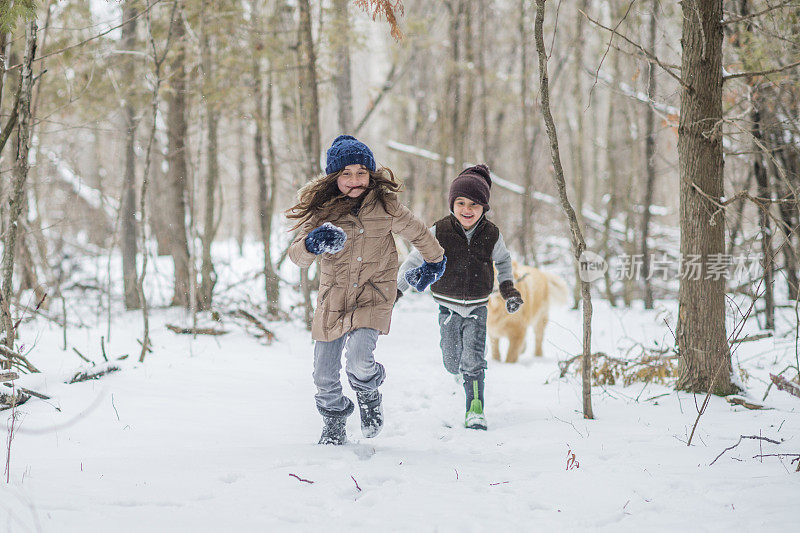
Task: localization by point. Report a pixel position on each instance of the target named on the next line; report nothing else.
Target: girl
(346, 219)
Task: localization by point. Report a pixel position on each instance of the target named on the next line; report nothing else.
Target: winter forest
(162, 322)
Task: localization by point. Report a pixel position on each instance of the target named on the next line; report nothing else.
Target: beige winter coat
(358, 285)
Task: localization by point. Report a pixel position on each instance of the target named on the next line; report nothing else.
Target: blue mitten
(424, 275)
(326, 239)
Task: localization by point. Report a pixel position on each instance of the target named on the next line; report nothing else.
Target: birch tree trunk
(578, 243)
(705, 360)
(127, 213)
(20, 175)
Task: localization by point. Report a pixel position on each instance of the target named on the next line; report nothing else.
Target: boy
(473, 246)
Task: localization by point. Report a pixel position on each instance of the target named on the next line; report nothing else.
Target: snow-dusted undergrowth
(209, 433)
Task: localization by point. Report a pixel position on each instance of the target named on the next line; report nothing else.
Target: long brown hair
(321, 198)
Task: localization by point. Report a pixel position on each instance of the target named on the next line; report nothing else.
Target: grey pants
(463, 341)
(363, 372)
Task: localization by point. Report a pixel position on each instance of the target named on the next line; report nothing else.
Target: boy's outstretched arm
(413, 260)
(505, 276)
(414, 230)
(502, 261)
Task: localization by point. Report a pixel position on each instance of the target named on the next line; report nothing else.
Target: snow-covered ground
(209, 433)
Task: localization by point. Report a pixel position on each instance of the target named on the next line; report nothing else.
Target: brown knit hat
(473, 183)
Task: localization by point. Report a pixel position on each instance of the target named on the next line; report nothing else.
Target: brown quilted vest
(468, 278)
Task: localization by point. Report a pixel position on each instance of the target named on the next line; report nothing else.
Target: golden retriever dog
(539, 291)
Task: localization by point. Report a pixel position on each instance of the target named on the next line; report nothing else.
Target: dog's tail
(558, 292)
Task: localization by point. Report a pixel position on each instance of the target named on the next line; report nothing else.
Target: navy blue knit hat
(347, 150)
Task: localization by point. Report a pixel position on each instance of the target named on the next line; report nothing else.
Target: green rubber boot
(474, 419)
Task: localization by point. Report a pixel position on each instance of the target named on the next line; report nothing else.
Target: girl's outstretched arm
(298, 252)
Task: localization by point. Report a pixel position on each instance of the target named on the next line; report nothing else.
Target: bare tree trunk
(705, 360)
(649, 158)
(612, 183)
(127, 214)
(241, 191)
(178, 171)
(3, 41)
(309, 110)
(207, 274)
(20, 175)
(578, 243)
(578, 134)
(341, 79)
(267, 187)
(526, 230)
(788, 214)
(764, 191)
(483, 83)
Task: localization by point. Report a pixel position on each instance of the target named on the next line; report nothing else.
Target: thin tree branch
(610, 41)
(757, 14)
(57, 52)
(647, 53)
(759, 72)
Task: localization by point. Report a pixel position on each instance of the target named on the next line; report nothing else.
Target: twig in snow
(301, 479)
(571, 461)
(356, 482)
(114, 406)
(29, 391)
(754, 437)
(103, 348)
(499, 483)
(93, 373)
(82, 356)
(705, 404)
(8, 376)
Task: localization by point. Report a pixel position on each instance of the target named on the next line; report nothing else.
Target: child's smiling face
(467, 212)
(353, 180)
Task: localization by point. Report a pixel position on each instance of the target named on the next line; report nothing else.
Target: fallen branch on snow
(195, 331)
(738, 400)
(94, 373)
(265, 333)
(17, 359)
(741, 437)
(785, 385)
(8, 376)
(301, 479)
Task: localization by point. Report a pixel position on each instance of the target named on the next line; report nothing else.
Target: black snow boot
(334, 430)
(369, 405)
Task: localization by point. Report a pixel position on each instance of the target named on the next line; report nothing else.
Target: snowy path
(205, 435)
